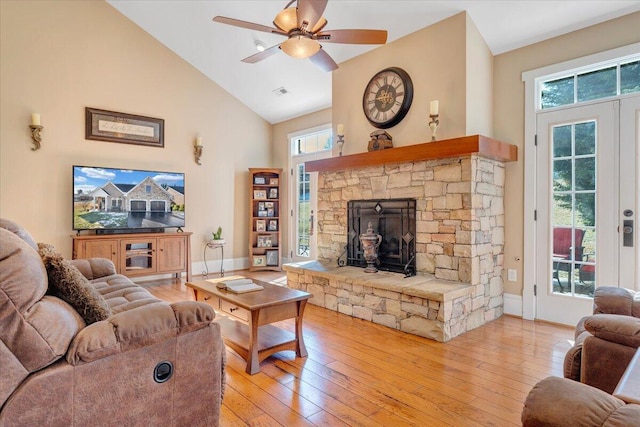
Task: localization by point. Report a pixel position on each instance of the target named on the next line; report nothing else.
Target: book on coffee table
(238, 286)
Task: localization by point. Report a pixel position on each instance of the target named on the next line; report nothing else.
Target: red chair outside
(566, 250)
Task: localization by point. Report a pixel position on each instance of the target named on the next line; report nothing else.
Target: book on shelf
(238, 286)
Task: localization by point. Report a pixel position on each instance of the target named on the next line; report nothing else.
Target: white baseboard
(513, 304)
(198, 268)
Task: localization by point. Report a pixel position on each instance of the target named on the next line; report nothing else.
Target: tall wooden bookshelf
(265, 250)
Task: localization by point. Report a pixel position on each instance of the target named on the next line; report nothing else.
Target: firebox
(395, 221)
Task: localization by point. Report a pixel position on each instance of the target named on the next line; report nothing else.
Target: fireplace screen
(395, 221)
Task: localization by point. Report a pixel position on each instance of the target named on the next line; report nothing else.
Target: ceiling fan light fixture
(287, 19)
(300, 47)
(260, 46)
(319, 25)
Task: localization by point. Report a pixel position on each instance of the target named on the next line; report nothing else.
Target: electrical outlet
(512, 275)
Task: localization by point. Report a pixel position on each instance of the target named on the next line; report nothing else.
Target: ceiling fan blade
(248, 25)
(323, 61)
(262, 55)
(310, 11)
(353, 36)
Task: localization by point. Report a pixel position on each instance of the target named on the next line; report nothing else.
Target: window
(605, 81)
(313, 142)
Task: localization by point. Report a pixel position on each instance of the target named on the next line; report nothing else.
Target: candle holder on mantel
(340, 143)
(370, 242)
(433, 124)
(36, 136)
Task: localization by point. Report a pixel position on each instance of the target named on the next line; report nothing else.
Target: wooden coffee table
(256, 339)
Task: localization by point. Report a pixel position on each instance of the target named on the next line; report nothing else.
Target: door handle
(627, 233)
(311, 224)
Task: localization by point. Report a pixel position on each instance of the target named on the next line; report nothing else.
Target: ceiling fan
(303, 26)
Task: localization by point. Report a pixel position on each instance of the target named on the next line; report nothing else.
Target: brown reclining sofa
(130, 359)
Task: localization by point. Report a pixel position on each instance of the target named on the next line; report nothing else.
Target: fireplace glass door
(395, 221)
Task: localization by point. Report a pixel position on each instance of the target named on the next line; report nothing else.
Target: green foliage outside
(591, 85)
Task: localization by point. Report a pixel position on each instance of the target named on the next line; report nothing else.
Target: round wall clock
(387, 97)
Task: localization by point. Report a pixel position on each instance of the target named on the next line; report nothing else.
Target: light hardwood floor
(362, 374)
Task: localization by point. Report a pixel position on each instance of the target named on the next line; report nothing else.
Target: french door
(586, 204)
(304, 201)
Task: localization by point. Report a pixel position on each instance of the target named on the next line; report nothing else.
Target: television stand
(140, 254)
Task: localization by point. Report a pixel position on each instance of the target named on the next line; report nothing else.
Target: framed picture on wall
(113, 126)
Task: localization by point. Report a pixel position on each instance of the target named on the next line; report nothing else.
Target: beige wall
(508, 112)
(60, 57)
(280, 156)
(479, 83)
(435, 60)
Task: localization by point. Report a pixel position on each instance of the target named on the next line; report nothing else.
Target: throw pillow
(67, 283)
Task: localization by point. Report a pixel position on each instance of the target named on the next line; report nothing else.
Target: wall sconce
(340, 135)
(36, 130)
(197, 149)
(433, 113)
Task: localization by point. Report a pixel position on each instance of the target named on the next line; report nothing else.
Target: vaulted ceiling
(186, 27)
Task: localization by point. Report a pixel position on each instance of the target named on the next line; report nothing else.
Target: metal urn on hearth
(370, 242)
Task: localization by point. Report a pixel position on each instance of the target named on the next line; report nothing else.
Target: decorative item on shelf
(36, 130)
(380, 140)
(433, 113)
(271, 257)
(273, 193)
(217, 237)
(264, 241)
(261, 225)
(370, 242)
(340, 135)
(259, 180)
(197, 149)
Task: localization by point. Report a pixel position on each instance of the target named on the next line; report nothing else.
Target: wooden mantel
(455, 147)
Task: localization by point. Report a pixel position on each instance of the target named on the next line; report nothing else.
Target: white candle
(433, 108)
(340, 130)
(35, 119)
(199, 141)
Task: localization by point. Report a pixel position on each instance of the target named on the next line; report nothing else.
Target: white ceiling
(186, 27)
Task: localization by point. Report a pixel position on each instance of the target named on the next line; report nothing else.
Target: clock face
(387, 98)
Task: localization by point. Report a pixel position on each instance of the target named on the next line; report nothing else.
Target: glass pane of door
(304, 212)
(573, 208)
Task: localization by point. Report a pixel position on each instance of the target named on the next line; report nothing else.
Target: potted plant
(217, 237)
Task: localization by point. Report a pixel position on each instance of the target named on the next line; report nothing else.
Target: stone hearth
(459, 239)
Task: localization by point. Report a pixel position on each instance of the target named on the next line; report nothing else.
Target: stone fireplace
(458, 189)
(395, 221)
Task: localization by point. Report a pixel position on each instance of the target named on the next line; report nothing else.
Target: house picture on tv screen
(106, 198)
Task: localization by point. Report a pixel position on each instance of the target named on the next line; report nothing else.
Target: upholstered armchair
(559, 402)
(606, 341)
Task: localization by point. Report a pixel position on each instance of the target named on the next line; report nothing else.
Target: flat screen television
(111, 200)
